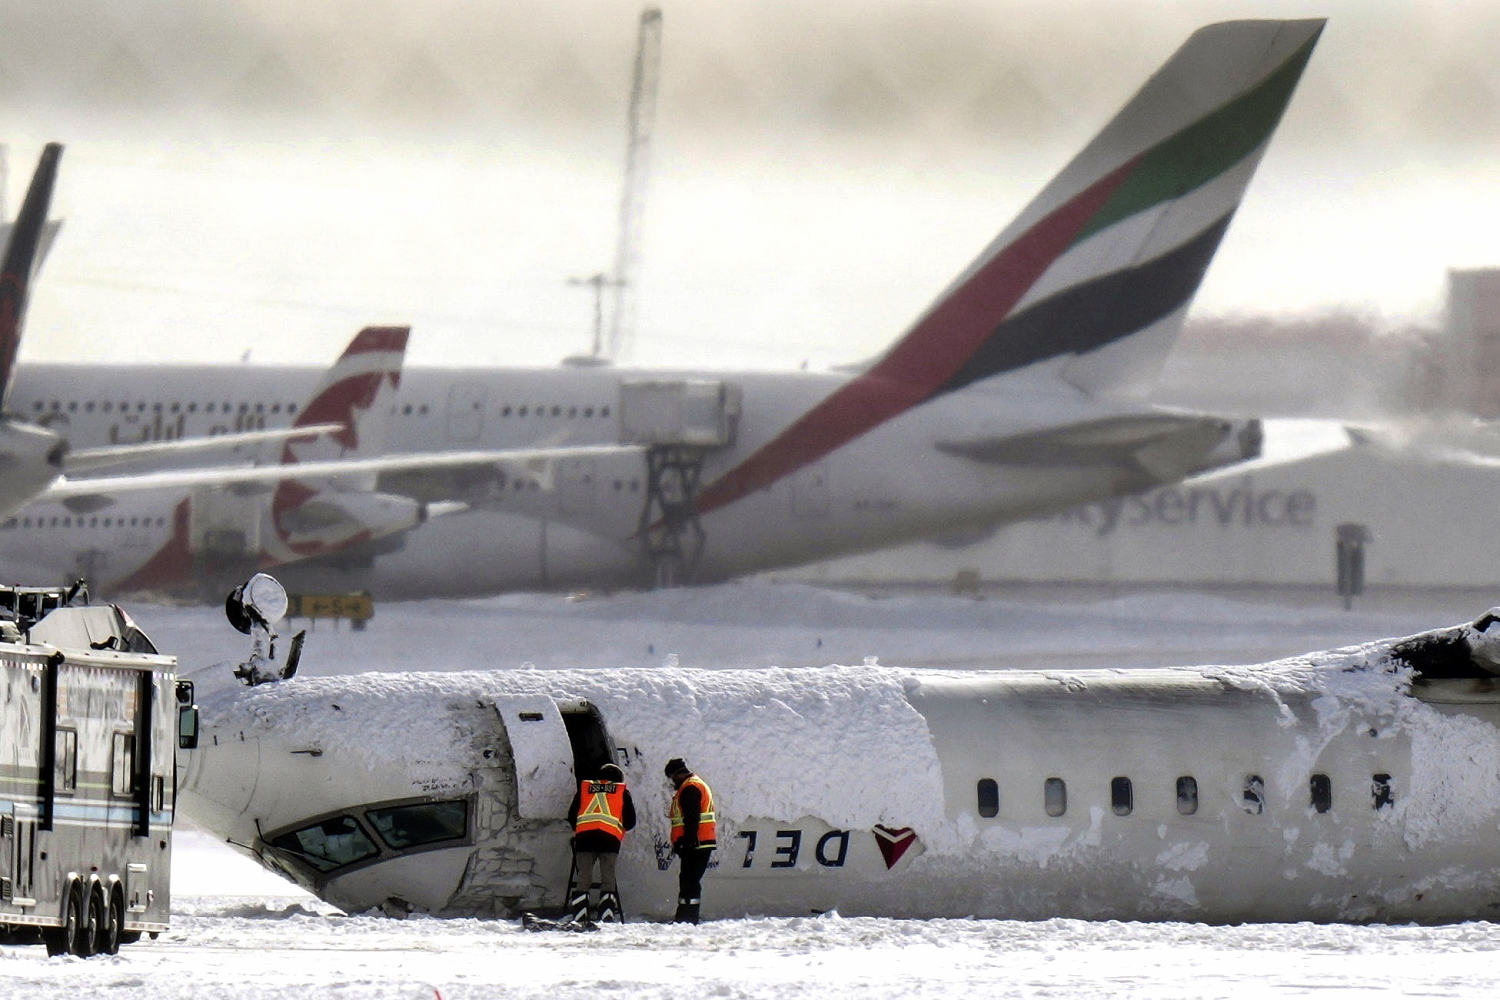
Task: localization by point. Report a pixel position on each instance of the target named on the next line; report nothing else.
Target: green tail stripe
(1206, 148)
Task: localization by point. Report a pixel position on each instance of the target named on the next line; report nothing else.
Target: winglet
(20, 263)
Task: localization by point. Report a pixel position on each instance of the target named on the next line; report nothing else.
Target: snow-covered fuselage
(1361, 784)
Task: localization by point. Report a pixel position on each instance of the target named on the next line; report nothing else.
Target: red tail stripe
(926, 357)
(378, 338)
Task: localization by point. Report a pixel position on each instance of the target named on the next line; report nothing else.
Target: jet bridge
(679, 421)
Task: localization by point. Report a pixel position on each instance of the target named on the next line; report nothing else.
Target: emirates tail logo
(894, 844)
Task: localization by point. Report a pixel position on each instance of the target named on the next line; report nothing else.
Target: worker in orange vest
(694, 835)
(601, 812)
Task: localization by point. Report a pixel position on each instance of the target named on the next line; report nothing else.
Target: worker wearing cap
(694, 835)
(601, 812)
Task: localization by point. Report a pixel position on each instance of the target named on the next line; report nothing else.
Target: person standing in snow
(694, 835)
(601, 813)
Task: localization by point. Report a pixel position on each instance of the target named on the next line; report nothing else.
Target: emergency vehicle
(90, 720)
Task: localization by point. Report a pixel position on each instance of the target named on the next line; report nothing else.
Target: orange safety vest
(708, 829)
(601, 807)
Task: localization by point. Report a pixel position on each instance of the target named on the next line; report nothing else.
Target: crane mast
(621, 280)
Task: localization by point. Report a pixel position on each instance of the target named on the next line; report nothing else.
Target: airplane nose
(219, 783)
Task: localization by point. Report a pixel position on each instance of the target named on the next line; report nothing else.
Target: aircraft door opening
(465, 412)
(543, 752)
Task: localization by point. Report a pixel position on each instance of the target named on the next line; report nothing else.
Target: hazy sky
(268, 175)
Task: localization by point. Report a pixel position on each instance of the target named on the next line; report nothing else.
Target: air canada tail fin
(1095, 275)
(356, 392)
(348, 392)
(1100, 268)
(21, 258)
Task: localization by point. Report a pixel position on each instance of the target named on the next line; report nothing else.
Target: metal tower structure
(640, 122)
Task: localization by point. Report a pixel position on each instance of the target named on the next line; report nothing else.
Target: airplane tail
(348, 392)
(355, 392)
(1095, 276)
(21, 256)
(1100, 267)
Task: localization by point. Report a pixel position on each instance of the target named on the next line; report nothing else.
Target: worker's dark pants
(690, 883)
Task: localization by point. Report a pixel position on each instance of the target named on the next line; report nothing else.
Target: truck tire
(114, 920)
(90, 919)
(61, 940)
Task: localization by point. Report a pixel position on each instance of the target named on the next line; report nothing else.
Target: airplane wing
(425, 473)
(90, 459)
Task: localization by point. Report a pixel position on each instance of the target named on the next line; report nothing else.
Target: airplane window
(10, 522)
(1121, 796)
(260, 407)
(422, 410)
(1254, 798)
(25, 522)
(192, 407)
(155, 407)
(108, 406)
(291, 407)
(521, 412)
(1321, 789)
(989, 797)
(557, 411)
(176, 407)
(56, 405)
(619, 485)
(67, 522)
(1056, 796)
(73, 407)
(572, 411)
(505, 411)
(604, 412)
(424, 823)
(89, 406)
(330, 844)
(1187, 795)
(1380, 790)
(588, 411)
(140, 407)
(275, 407)
(37, 405)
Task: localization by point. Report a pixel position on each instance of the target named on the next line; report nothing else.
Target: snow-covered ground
(240, 932)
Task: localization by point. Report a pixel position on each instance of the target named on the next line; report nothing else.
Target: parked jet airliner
(1017, 392)
(1361, 784)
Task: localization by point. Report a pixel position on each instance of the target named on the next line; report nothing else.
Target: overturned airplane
(1360, 784)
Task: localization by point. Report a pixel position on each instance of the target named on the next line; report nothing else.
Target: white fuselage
(1334, 787)
(884, 486)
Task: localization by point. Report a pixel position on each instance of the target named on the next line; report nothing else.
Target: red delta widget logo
(1226, 506)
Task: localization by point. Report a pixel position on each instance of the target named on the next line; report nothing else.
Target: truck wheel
(60, 939)
(114, 920)
(90, 923)
(76, 927)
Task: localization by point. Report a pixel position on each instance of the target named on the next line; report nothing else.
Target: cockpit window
(329, 844)
(423, 823)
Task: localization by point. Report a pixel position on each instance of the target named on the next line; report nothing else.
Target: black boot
(609, 909)
(687, 913)
(578, 907)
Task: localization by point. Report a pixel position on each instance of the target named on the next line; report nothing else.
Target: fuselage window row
(109, 406)
(1122, 795)
(82, 522)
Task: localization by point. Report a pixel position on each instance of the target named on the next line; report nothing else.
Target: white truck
(91, 717)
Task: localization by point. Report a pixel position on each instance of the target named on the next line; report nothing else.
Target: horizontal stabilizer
(1166, 446)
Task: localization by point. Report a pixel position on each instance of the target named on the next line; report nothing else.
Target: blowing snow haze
(266, 175)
